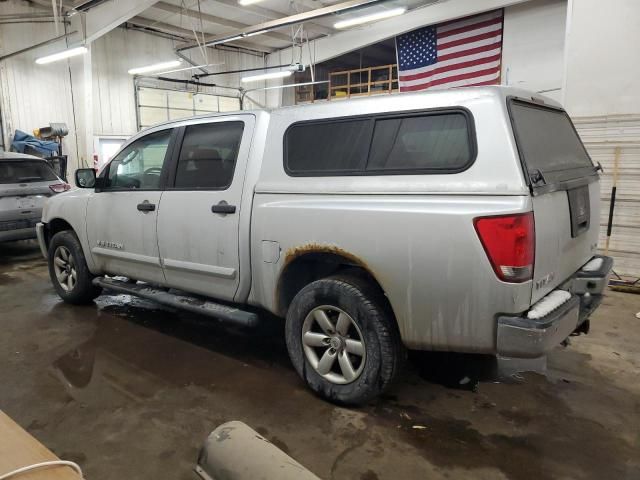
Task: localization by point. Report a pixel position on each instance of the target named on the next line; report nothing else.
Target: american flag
(460, 53)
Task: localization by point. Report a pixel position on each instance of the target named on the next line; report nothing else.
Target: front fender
(71, 207)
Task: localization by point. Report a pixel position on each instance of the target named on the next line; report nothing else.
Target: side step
(181, 301)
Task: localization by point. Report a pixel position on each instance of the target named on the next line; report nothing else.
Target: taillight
(509, 241)
(59, 187)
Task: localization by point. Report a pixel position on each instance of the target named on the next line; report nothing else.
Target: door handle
(146, 206)
(224, 208)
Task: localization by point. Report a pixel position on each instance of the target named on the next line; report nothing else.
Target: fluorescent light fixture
(155, 67)
(248, 2)
(72, 52)
(225, 40)
(394, 12)
(267, 76)
(259, 32)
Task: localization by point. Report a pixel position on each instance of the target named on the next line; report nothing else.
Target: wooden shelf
(377, 80)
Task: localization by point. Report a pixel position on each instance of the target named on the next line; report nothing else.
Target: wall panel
(533, 46)
(602, 136)
(31, 95)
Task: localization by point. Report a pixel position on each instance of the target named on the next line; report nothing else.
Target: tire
(365, 376)
(80, 289)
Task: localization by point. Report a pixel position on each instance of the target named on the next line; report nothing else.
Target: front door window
(139, 165)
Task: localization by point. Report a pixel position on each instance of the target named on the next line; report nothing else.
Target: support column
(87, 127)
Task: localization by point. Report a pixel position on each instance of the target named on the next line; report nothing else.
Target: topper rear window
(547, 141)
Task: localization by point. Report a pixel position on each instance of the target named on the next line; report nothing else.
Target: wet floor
(131, 390)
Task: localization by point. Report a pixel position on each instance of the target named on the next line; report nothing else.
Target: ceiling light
(72, 52)
(370, 18)
(155, 67)
(248, 2)
(259, 32)
(267, 76)
(288, 70)
(237, 37)
(225, 40)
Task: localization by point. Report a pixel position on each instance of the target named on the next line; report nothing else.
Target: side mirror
(86, 178)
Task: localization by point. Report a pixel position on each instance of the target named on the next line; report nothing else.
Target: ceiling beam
(292, 20)
(106, 16)
(273, 15)
(432, 13)
(169, 7)
(188, 34)
(44, 5)
(85, 5)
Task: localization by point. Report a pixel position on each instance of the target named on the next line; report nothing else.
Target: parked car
(463, 220)
(25, 183)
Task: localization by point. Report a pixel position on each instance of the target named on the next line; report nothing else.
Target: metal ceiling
(195, 22)
(220, 19)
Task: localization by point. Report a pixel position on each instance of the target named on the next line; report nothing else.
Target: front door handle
(146, 206)
(223, 208)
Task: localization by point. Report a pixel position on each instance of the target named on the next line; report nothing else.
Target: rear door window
(208, 155)
(548, 142)
(25, 171)
(433, 142)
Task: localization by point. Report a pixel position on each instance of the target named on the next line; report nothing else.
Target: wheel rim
(64, 266)
(333, 344)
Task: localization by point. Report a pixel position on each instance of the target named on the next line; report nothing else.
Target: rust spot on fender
(295, 252)
(322, 248)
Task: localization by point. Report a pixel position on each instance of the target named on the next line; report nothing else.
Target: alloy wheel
(333, 344)
(65, 268)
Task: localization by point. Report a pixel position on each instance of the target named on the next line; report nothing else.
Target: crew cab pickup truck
(463, 220)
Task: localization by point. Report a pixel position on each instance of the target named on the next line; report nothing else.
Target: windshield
(25, 171)
(547, 140)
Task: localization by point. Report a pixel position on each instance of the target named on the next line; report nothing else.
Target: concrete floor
(130, 390)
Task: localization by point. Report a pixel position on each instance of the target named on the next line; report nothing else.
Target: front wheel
(68, 269)
(342, 339)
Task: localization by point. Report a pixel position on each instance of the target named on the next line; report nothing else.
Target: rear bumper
(18, 234)
(42, 241)
(523, 337)
(18, 229)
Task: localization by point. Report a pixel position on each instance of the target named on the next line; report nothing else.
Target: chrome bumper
(523, 337)
(41, 239)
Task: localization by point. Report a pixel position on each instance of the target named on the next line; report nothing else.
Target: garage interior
(127, 388)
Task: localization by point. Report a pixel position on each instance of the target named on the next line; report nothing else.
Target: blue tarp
(21, 140)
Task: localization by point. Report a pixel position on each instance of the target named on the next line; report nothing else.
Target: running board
(181, 301)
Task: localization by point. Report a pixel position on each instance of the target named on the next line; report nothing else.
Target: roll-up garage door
(156, 105)
(614, 141)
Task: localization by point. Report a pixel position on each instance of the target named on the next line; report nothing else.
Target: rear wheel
(342, 339)
(68, 269)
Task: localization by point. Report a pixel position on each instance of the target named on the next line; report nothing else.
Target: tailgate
(566, 192)
(558, 253)
(22, 200)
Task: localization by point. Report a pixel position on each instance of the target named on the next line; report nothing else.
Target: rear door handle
(146, 206)
(223, 208)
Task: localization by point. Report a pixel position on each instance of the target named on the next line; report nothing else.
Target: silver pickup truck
(463, 220)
